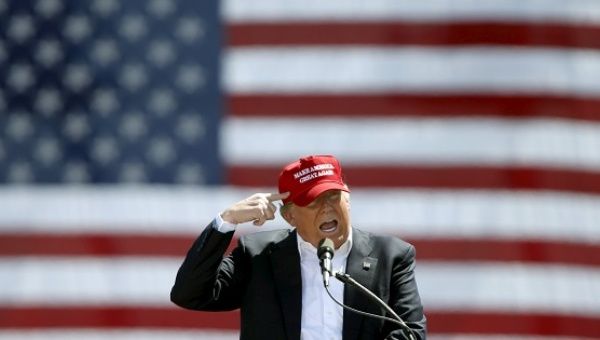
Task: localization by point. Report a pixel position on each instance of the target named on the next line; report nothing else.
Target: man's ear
(288, 215)
(346, 198)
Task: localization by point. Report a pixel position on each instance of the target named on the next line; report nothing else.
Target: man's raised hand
(258, 208)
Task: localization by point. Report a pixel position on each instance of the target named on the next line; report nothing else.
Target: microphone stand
(345, 278)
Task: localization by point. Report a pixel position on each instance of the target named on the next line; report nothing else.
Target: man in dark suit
(274, 276)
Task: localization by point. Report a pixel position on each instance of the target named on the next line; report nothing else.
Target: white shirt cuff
(223, 226)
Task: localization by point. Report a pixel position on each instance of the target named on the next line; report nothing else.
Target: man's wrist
(226, 216)
(222, 224)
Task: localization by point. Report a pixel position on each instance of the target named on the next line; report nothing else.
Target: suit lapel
(285, 260)
(362, 268)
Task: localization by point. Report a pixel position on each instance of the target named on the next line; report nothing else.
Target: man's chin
(339, 238)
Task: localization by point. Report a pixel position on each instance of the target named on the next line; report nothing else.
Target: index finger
(276, 197)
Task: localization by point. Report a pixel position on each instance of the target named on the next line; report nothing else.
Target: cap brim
(303, 199)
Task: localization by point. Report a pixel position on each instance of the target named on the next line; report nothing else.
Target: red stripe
(412, 33)
(27, 244)
(429, 249)
(415, 105)
(439, 177)
(483, 322)
(530, 251)
(109, 317)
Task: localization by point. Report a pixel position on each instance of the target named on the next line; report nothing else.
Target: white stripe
(545, 216)
(151, 334)
(542, 142)
(511, 288)
(113, 209)
(587, 11)
(448, 70)
(117, 334)
(418, 213)
(80, 281)
(147, 282)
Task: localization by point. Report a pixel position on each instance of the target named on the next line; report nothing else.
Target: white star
(190, 127)
(48, 8)
(20, 28)
(20, 172)
(162, 102)
(133, 27)
(48, 52)
(104, 101)
(190, 78)
(77, 28)
(189, 29)
(133, 125)
(190, 173)
(105, 51)
(76, 77)
(133, 76)
(19, 126)
(76, 126)
(48, 102)
(76, 172)
(20, 77)
(105, 7)
(161, 151)
(104, 150)
(161, 52)
(47, 151)
(161, 8)
(132, 172)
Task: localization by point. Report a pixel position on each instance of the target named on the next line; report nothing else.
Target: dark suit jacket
(262, 278)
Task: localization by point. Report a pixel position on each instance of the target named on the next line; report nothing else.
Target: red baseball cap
(308, 177)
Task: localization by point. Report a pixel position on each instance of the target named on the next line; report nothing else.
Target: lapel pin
(366, 265)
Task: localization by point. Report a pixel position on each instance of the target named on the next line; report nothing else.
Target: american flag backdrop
(469, 128)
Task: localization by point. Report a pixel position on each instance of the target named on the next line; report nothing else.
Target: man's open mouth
(329, 226)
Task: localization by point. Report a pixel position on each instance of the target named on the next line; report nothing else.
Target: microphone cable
(405, 329)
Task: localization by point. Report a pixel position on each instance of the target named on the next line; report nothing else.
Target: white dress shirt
(322, 318)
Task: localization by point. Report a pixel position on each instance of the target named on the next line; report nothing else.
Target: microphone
(325, 253)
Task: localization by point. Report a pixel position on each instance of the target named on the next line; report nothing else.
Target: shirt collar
(307, 250)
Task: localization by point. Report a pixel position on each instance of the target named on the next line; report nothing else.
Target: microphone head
(325, 246)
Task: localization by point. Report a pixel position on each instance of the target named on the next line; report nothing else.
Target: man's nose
(326, 205)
